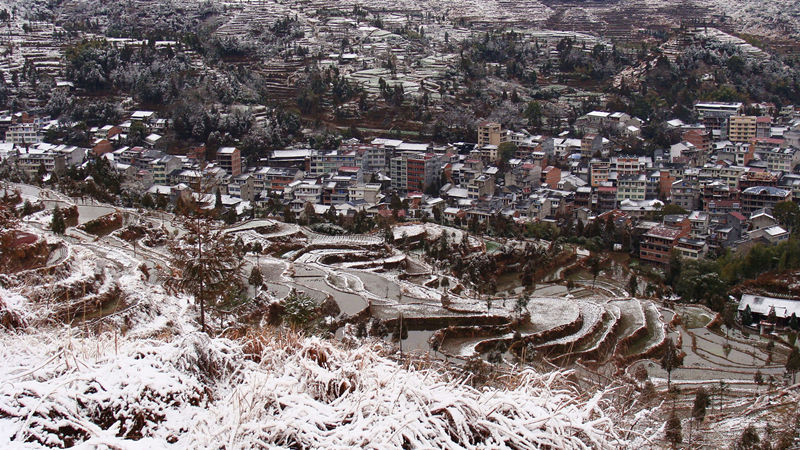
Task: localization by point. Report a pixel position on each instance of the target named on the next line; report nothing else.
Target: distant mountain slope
(615, 18)
(779, 18)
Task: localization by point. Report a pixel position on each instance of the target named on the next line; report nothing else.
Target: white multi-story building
(780, 159)
(54, 158)
(367, 192)
(325, 163)
(25, 133)
(633, 187)
(301, 192)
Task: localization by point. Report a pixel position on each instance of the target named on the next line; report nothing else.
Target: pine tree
(673, 430)
(772, 317)
(299, 309)
(701, 402)
(147, 201)
(255, 279)
(8, 233)
(27, 208)
(527, 275)
(640, 373)
(288, 215)
(401, 332)
(594, 267)
(331, 215)
(793, 363)
(670, 360)
(207, 263)
(522, 303)
(758, 378)
(57, 224)
(749, 439)
(257, 248)
(728, 318)
(747, 316)
(230, 217)
(42, 172)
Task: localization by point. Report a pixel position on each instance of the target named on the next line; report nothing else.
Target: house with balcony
(689, 248)
(657, 244)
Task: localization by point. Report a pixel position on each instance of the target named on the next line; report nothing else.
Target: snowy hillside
(768, 18)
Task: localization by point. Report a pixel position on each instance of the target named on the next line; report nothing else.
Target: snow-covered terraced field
(656, 332)
(351, 239)
(604, 334)
(432, 232)
(592, 315)
(631, 316)
(549, 313)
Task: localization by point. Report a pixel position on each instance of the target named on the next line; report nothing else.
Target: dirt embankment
(104, 224)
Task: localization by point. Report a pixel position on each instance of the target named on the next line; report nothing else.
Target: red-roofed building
(620, 218)
(101, 147)
(723, 206)
(230, 159)
(351, 171)
(754, 178)
(665, 180)
(657, 243)
(739, 216)
(761, 144)
(700, 138)
(197, 153)
(386, 213)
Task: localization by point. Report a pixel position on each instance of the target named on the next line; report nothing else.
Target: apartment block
(762, 197)
(657, 244)
(490, 133)
(742, 128)
(230, 159)
(631, 187)
(714, 115)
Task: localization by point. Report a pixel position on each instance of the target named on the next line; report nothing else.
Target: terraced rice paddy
(596, 322)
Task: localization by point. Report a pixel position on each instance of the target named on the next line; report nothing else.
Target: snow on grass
(40, 218)
(252, 224)
(607, 330)
(14, 309)
(12, 300)
(60, 390)
(199, 392)
(350, 239)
